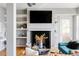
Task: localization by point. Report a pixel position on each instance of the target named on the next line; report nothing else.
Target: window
(77, 27)
(66, 28)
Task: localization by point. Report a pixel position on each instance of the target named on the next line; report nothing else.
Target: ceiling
(44, 5)
(48, 5)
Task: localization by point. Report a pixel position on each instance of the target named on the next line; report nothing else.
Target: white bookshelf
(21, 26)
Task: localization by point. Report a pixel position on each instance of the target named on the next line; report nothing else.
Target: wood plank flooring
(3, 53)
(20, 51)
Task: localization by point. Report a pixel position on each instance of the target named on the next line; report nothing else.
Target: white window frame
(71, 19)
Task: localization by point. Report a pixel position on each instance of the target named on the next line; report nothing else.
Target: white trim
(14, 29)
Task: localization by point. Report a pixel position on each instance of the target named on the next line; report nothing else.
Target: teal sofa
(64, 49)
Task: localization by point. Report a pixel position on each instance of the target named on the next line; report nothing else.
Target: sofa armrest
(63, 44)
(64, 50)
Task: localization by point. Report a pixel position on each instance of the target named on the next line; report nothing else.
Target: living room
(49, 29)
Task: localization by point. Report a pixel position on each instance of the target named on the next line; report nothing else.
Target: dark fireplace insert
(41, 39)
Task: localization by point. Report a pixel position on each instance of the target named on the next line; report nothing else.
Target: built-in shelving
(21, 28)
(21, 22)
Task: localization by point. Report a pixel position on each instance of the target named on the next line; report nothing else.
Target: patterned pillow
(73, 45)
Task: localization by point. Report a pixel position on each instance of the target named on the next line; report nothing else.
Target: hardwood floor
(20, 51)
(3, 53)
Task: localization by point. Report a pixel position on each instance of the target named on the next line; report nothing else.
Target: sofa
(64, 49)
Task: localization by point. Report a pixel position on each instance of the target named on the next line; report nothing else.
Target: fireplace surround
(39, 29)
(47, 32)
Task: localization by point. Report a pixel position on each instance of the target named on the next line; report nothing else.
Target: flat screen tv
(40, 16)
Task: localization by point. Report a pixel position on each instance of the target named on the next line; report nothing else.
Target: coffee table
(43, 51)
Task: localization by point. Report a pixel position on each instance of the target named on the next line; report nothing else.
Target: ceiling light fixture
(30, 4)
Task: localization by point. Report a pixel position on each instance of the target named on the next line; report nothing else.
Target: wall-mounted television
(40, 16)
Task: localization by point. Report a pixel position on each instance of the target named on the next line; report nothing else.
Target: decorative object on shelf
(21, 33)
(24, 25)
(21, 26)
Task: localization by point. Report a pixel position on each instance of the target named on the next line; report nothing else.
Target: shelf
(21, 45)
(21, 22)
(21, 15)
(21, 37)
(21, 29)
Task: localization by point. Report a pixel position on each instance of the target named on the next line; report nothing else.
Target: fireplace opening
(41, 39)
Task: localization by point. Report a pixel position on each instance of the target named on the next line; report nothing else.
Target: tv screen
(40, 16)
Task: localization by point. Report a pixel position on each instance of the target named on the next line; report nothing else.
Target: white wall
(10, 38)
(2, 28)
(2, 19)
(77, 10)
(64, 11)
(2, 14)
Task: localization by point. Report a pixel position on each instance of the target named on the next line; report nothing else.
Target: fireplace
(41, 39)
(40, 28)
